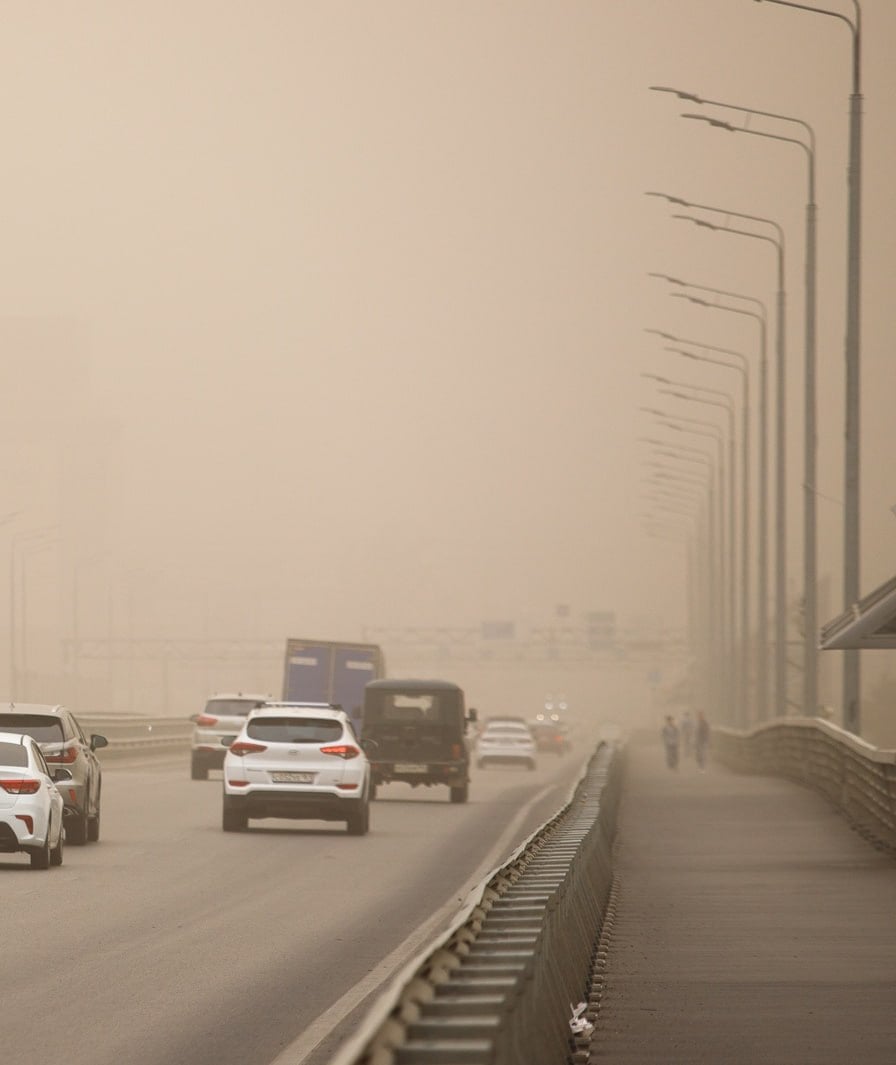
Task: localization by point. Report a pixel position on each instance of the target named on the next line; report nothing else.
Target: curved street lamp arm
(705, 288)
(855, 28)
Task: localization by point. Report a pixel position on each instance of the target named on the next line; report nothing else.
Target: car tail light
(242, 747)
(341, 750)
(20, 786)
(455, 750)
(238, 783)
(66, 757)
(206, 719)
(27, 821)
(347, 787)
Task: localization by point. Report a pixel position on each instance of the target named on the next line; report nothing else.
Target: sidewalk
(753, 926)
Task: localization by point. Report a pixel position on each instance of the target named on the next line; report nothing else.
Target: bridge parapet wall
(858, 778)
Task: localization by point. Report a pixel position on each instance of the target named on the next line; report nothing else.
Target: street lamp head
(677, 92)
(680, 351)
(689, 298)
(696, 221)
(667, 277)
(718, 123)
(692, 299)
(669, 199)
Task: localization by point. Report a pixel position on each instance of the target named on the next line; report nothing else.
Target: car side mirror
(472, 715)
(97, 741)
(61, 774)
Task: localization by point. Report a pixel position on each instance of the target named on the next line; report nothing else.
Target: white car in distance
(216, 727)
(299, 761)
(507, 742)
(30, 803)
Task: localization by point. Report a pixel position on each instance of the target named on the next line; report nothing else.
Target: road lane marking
(299, 1050)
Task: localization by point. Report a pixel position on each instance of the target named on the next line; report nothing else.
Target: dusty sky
(362, 289)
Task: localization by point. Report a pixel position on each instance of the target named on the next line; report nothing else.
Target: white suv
(297, 760)
(215, 729)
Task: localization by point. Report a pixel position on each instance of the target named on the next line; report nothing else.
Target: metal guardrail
(130, 735)
(496, 987)
(857, 778)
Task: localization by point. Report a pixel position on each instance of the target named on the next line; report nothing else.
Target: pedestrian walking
(701, 741)
(670, 737)
(687, 734)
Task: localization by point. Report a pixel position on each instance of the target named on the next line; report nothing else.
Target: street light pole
(810, 444)
(762, 552)
(703, 590)
(728, 407)
(742, 368)
(851, 545)
(680, 423)
(781, 441)
(731, 584)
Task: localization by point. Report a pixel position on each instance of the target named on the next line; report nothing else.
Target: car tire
(234, 820)
(358, 821)
(56, 852)
(460, 793)
(40, 856)
(198, 771)
(76, 829)
(93, 827)
(373, 788)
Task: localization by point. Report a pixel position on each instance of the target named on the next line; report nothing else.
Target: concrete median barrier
(130, 736)
(498, 985)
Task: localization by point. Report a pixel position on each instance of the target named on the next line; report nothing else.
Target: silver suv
(62, 742)
(217, 727)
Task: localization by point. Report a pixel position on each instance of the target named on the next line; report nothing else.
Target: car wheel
(234, 820)
(93, 827)
(40, 858)
(198, 771)
(460, 793)
(56, 852)
(76, 829)
(358, 822)
(373, 788)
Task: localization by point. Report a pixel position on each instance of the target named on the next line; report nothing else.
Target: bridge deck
(753, 926)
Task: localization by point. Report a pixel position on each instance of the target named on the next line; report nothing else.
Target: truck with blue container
(324, 671)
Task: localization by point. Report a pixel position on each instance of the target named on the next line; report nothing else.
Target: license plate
(410, 767)
(292, 778)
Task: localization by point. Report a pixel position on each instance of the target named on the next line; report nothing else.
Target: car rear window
(294, 729)
(232, 707)
(427, 708)
(43, 729)
(13, 754)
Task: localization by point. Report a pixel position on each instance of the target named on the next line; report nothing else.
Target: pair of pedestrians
(693, 736)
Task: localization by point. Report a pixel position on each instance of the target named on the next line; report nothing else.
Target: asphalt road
(170, 941)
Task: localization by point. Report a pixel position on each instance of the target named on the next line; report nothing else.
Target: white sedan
(30, 803)
(297, 760)
(507, 742)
